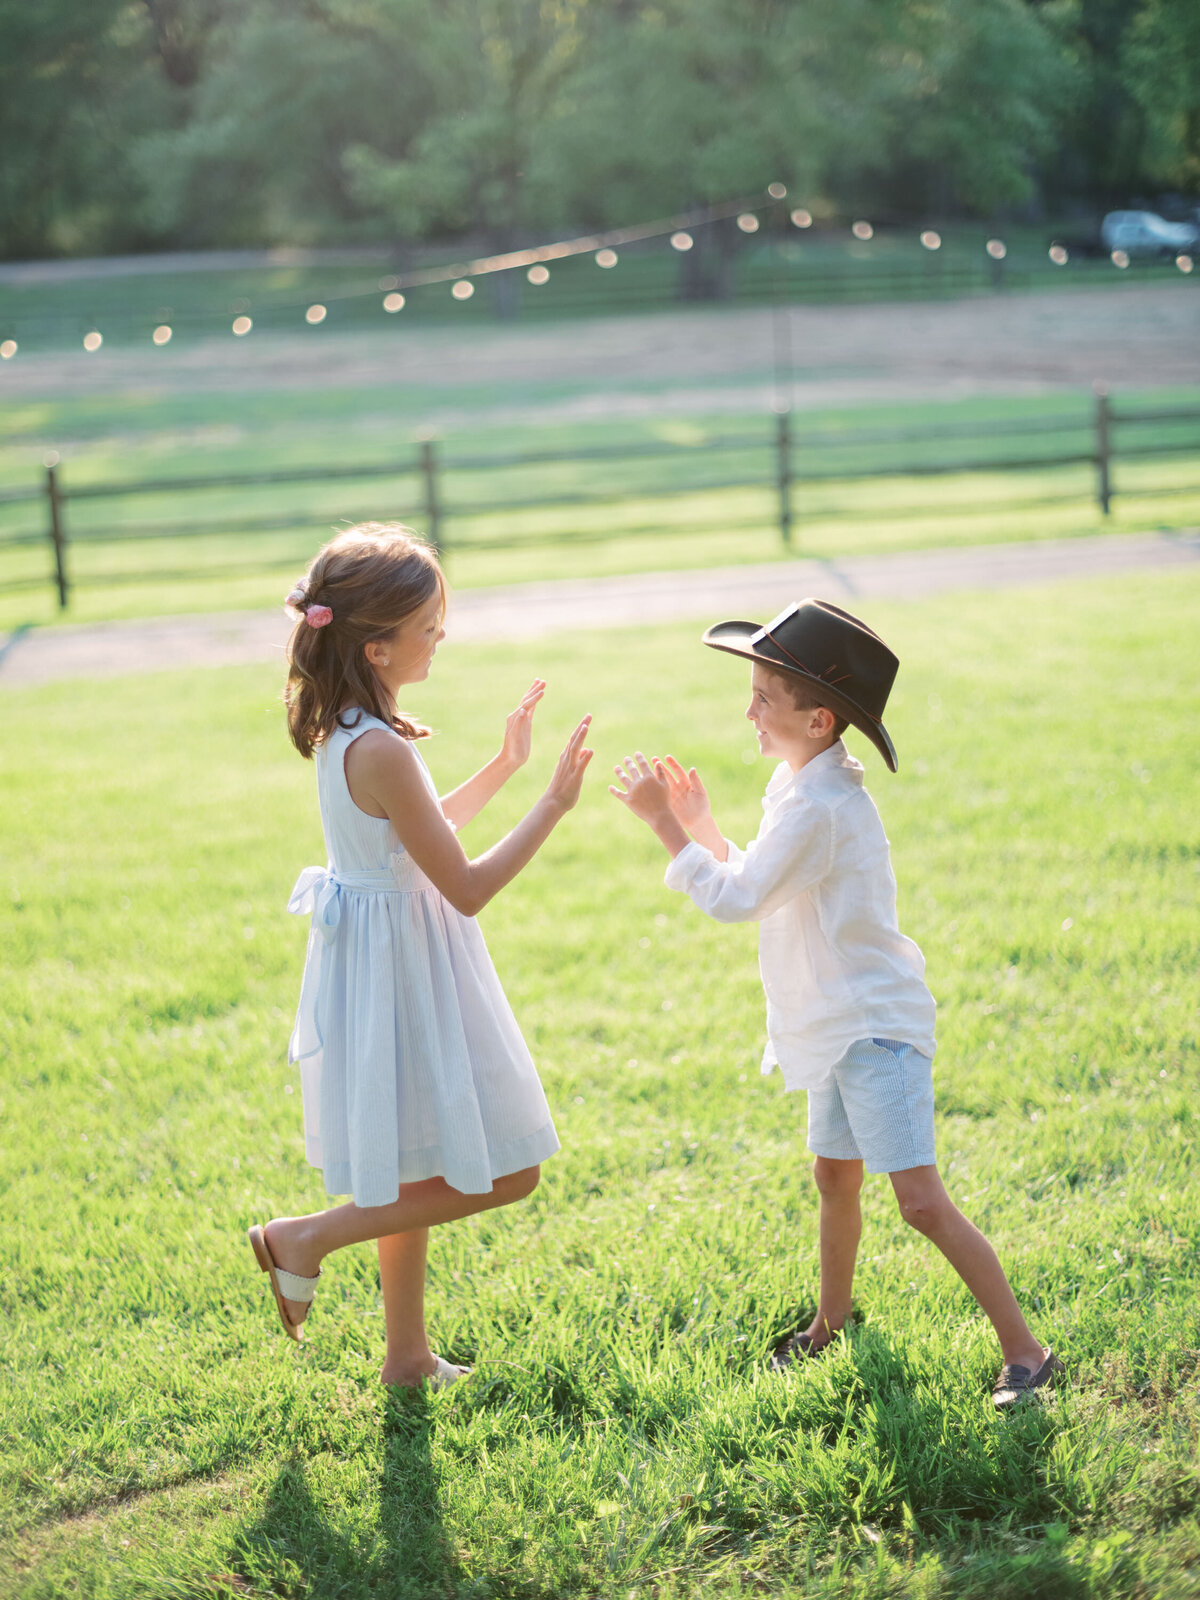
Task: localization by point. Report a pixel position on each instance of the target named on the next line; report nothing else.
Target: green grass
(599, 516)
(162, 1439)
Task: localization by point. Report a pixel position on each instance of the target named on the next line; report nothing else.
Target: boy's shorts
(876, 1106)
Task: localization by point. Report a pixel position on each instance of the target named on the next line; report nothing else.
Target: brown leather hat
(835, 652)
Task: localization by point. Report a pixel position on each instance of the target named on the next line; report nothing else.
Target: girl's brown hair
(371, 577)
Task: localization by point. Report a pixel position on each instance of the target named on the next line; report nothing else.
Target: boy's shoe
(1017, 1383)
(799, 1348)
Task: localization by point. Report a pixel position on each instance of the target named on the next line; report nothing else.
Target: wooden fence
(787, 460)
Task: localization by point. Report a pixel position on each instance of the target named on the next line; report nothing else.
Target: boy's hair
(371, 577)
(805, 696)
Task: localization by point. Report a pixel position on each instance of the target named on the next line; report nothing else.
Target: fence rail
(785, 461)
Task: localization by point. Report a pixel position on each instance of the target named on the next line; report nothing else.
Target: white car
(1145, 233)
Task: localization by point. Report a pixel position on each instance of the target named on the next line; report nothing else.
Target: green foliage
(217, 122)
(160, 1437)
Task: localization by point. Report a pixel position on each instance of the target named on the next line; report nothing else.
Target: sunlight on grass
(622, 1436)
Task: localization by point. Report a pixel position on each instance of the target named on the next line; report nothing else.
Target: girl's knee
(924, 1206)
(517, 1185)
(837, 1178)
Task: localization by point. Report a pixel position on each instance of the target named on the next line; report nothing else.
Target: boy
(849, 1017)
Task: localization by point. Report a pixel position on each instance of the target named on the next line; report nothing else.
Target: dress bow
(318, 892)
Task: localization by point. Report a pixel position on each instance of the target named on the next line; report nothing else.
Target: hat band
(819, 676)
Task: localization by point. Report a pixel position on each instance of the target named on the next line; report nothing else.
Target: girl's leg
(402, 1279)
(926, 1206)
(300, 1244)
(840, 1228)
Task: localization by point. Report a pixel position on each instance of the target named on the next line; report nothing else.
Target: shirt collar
(785, 783)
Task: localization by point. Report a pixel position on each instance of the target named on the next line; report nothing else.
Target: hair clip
(318, 616)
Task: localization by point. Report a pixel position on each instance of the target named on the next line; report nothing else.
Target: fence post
(783, 440)
(58, 536)
(1103, 449)
(433, 511)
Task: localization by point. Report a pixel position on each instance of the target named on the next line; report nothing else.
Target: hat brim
(734, 638)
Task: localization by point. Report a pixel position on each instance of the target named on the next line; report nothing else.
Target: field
(160, 1437)
(1005, 377)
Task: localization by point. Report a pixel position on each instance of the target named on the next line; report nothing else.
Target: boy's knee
(837, 1179)
(924, 1212)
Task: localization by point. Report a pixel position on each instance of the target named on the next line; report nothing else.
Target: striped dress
(411, 1062)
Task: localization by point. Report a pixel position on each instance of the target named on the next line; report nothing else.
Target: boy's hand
(689, 798)
(645, 789)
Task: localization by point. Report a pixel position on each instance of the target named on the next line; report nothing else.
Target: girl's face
(406, 655)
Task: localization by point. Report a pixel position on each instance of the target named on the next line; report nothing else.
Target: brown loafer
(1017, 1383)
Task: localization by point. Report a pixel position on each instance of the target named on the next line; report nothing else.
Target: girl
(420, 1098)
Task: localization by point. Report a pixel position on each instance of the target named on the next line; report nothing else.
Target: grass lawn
(712, 501)
(161, 1438)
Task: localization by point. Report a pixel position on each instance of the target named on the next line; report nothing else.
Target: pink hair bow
(318, 616)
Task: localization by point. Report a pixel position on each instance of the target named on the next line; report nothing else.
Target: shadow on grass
(301, 1545)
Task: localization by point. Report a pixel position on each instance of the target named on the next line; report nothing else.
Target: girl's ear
(376, 652)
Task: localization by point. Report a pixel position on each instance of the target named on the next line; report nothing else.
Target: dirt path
(535, 610)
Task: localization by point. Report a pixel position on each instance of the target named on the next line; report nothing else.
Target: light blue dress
(411, 1062)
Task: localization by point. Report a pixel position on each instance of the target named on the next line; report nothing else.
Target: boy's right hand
(689, 798)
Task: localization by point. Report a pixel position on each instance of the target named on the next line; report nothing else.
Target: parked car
(1145, 233)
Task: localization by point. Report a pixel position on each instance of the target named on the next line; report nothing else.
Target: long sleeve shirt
(818, 878)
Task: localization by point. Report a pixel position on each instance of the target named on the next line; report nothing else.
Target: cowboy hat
(839, 655)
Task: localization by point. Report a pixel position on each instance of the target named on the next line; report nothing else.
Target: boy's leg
(838, 1183)
(926, 1206)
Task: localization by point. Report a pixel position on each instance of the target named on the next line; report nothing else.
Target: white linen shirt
(818, 877)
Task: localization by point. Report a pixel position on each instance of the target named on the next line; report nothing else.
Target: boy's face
(784, 733)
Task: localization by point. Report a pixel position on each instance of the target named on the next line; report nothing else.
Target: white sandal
(446, 1373)
(284, 1285)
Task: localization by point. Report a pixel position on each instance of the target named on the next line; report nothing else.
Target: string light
(1059, 255)
(315, 314)
(1120, 258)
(242, 326)
(997, 249)
(748, 222)
(462, 290)
(8, 349)
(161, 334)
(931, 240)
(862, 230)
(777, 191)
(1184, 263)
(393, 302)
(606, 258)
(538, 275)
(92, 341)
(681, 241)
(801, 218)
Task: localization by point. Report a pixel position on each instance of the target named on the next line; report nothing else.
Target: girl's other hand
(646, 790)
(518, 726)
(567, 779)
(689, 798)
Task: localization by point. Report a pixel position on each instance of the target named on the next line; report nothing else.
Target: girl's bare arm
(388, 776)
(461, 805)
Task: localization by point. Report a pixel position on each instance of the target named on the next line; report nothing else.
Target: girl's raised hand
(518, 726)
(689, 798)
(567, 778)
